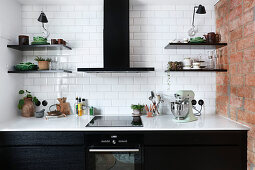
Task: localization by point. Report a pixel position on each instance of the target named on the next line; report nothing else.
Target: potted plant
(27, 103)
(43, 64)
(137, 109)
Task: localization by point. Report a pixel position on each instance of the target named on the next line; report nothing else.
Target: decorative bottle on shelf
(210, 61)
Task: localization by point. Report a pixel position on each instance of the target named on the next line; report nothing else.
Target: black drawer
(41, 138)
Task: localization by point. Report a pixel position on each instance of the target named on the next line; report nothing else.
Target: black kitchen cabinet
(163, 150)
(196, 150)
(42, 157)
(193, 158)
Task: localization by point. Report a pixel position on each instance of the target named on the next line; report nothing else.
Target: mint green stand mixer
(182, 107)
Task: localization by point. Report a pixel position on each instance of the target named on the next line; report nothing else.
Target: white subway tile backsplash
(151, 29)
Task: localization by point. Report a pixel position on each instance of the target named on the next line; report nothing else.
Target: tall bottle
(79, 107)
(211, 60)
(84, 107)
(76, 106)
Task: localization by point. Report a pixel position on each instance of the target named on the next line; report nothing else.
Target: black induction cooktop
(115, 121)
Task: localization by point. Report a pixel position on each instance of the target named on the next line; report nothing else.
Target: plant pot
(43, 65)
(136, 112)
(28, 109)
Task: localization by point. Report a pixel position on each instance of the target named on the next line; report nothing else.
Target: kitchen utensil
(182, 107)
(54, 112)
(40, 113)
(23, 40)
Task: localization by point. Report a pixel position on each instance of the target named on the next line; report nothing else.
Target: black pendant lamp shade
(42, 18)
(201, 10)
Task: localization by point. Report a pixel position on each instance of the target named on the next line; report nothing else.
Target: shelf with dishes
(39, 47)
(189, 44)
(209, 40)
(198, 70)
(40, 71)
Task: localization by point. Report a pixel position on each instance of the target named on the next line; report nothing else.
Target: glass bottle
(210, 61)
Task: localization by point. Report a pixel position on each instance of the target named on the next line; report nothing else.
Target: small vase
(28, 109)
(43, 65)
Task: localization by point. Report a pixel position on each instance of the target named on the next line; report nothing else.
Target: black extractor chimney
(116, 39)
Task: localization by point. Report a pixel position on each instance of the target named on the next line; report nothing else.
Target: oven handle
(114, 150)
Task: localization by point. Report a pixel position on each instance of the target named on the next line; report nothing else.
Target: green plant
(137, 107)
(49, 59)
(39, 59)
(27, 94)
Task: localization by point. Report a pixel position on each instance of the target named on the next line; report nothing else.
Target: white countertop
(158, 123)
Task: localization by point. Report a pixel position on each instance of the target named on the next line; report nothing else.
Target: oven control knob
(114, 142)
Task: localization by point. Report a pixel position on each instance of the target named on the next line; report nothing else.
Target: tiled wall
(151, 28)
(235, 89)
(10, 27)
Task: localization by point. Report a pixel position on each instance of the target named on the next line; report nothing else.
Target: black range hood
(116, 39)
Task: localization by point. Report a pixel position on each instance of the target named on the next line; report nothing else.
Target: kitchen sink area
(127, 85)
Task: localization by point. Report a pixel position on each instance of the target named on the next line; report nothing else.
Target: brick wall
(151, 29)
(235, 89)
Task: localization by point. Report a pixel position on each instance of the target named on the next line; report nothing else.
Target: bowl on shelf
(25, 67)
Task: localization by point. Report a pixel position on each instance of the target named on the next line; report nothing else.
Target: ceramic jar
(28, 109)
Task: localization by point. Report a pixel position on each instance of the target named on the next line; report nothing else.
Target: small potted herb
(27, 103)
(43, 64)
(137, 109)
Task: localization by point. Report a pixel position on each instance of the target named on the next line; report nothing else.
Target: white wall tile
(151, 28)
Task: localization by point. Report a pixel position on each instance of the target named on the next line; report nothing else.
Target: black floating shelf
(36, 47)
(198, 70)
(187, 45)
(41, 71)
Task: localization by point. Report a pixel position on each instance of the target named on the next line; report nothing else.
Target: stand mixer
(182, 108)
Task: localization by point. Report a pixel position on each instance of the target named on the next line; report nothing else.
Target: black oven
(114, 152)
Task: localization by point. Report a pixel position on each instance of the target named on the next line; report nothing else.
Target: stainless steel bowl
(180, 110)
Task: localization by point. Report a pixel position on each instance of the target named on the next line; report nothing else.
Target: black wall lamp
(200, 10)
(43, 19)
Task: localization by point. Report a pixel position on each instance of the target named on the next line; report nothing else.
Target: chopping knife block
(63, 106)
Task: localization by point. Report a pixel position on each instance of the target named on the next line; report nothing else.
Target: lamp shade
(42, 18)
(201, 10)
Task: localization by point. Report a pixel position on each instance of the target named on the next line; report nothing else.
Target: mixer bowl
(180, 110)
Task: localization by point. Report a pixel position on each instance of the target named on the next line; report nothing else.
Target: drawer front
(195, 138)
(41, 138)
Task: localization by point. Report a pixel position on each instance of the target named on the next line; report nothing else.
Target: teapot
(212, 38)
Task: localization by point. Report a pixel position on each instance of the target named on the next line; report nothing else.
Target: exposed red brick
(233, 68)
(222, 90)
(248, 4)
(236, 101)
(236, 34)
(235, 24)
(234, 3)
(236, 58)
(245, 43)
(237, 80)
(249, 55)
(247, 17)
(222, 79)
(250, 80)
(249, 29)
(245, 91)
(245, 68)
(249, 105)
(237, 12)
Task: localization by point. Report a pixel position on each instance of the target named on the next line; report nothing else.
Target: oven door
(114, 158)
